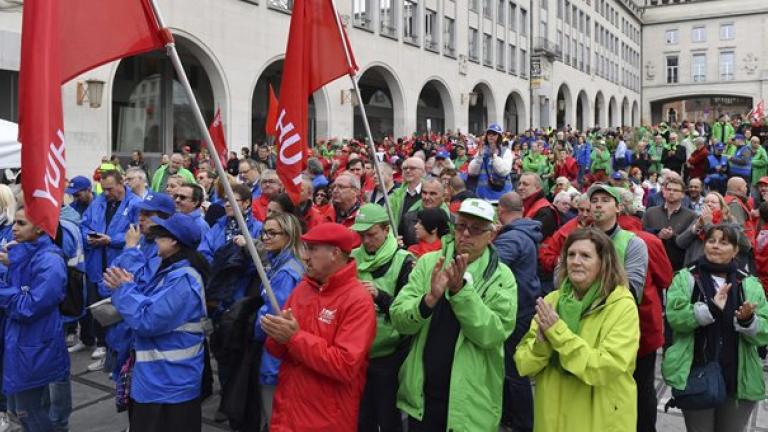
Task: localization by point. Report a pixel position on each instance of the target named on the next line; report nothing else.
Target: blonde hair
(292, 227)
(8, 204)
(611, 273)
(725, 211)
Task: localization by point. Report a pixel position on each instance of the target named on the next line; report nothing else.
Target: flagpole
(176, 61)
(371, 146)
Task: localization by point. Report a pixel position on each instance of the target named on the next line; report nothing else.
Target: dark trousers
(158, 417)
(206, 388)
(31, 408)
(645, 378)
(91, 332)
(517, 406)
(378, 406)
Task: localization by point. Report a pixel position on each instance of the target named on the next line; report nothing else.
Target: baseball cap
(182, 227)
(159, 202)
(368, 216)
(495, 128)
(478, 208)
(616, 176)
(739, 137)
(77, 184)
(719, 146)
(333, 234)
(763, 180)
(443, 154)
(610, 190)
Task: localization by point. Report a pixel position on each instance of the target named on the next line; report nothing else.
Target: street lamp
(91, 90)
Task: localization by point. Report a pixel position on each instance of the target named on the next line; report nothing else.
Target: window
(560, 9)
(9, 95)
(727, 59)
(523, 63)
(487, 9)
(473, 45)
(574, 16)
(512, 60)
(362, 14)
(559, 40)
(487, 47)
(567, 11)
(283, 5)
(574, 52)
(500, 54)
(588, 27)
(410, 21)
(473, 5)
(500, 12)
(699, 67)
(582, 53)
(543, 30)
(726, 31)
(387, 18)
(566, 51)
(523, 22)
(449, 37)
(430, 30)
(512, 17)
(699, 34)
(671, 37)
(544, 5)
(587, 60)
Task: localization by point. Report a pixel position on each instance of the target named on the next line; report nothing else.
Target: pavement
(93, 406)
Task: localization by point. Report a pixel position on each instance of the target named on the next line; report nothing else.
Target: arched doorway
(434, 110)
(613, 113)
(150, 110)
(635, 114)
(564, 106)
(272, 75)
(514, 113)
(582, 112)
(600, 118)
(482, 108)
(626, 114)
(383, 102)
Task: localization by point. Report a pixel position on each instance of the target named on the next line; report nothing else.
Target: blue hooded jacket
(517, 245)
(35, 353)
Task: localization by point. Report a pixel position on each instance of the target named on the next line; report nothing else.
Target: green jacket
(396, 203)
(601, 160)
(593, 389)
(537, 164)
(759, 164)
(386, 279)
(717, 132)
(486, 310)
(157, 179)
(676, 365)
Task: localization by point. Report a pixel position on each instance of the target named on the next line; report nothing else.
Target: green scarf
(367, 263)
(570, 309)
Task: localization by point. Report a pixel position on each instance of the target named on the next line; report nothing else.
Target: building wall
(749, 46)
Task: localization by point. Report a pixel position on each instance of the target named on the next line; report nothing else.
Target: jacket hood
(529, 227)
(630, 223)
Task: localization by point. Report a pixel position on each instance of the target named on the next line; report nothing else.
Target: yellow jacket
(594, 390)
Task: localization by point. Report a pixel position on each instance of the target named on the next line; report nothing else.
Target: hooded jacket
(35, 352)
(517, 245)
(594, 390)
(324, 363)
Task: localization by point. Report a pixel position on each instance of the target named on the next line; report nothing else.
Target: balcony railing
(547, 48)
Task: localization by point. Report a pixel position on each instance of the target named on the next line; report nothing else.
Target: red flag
(217, 136)
(760, 110)
(59, 41)
(271, 113)
(315, 56)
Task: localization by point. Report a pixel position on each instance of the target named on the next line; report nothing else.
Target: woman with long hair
(281, 239)
(167, 316)
(582, 344)
(718, 318)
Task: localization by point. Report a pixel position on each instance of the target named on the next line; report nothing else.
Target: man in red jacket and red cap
(322, 337)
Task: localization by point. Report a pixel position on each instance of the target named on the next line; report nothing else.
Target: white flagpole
(371, 146)
(176, 61)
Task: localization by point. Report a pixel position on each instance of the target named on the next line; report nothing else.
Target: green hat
(610, 190)
(368, 216)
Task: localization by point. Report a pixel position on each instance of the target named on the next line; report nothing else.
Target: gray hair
(353, 180)
(314, 166)
(138, 171)
(628, 201)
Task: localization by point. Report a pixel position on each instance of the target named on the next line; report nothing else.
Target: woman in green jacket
(582, 344)
(716, 311)
(601, 158)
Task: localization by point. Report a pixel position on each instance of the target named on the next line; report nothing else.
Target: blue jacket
(35, 352)
(284, 274)
(200, 220)
(484, 189)
(6, 236)
(165, 317)
(216, 238)
(94, 221)
(584, 155)
(517, 245)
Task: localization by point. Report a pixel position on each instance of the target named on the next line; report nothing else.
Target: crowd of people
(427, 299)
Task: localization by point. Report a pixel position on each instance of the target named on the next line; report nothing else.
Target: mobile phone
(94, 235)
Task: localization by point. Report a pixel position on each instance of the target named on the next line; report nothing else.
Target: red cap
(763, 180)
(333, 234)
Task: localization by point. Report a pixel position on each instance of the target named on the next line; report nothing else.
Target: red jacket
(657, 279)
(549, 251)
(259, 208)
(698, 160)
(323, 367)
(347, 221)
(568, 169)
(761, 259)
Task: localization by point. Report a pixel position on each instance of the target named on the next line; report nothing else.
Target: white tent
(10, 149)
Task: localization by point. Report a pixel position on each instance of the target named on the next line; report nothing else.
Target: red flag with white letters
(314, 57)
(59, 40)
(216, 129)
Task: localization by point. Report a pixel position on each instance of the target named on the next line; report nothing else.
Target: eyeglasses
(180, 197)
(338, 186)
(409, 168)
(269, 181)
(473, 230)
(321, 194)
(271, 234)
(675, 190)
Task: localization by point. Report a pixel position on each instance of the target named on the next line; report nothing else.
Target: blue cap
(494, 127)
(719, 146)
(157, 202)
(182, 227)
(443, 154)
(616, 175)
(739, 137)
(77, 184)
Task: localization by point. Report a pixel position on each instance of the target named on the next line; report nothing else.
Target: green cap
(368, 216)
(610, 190)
